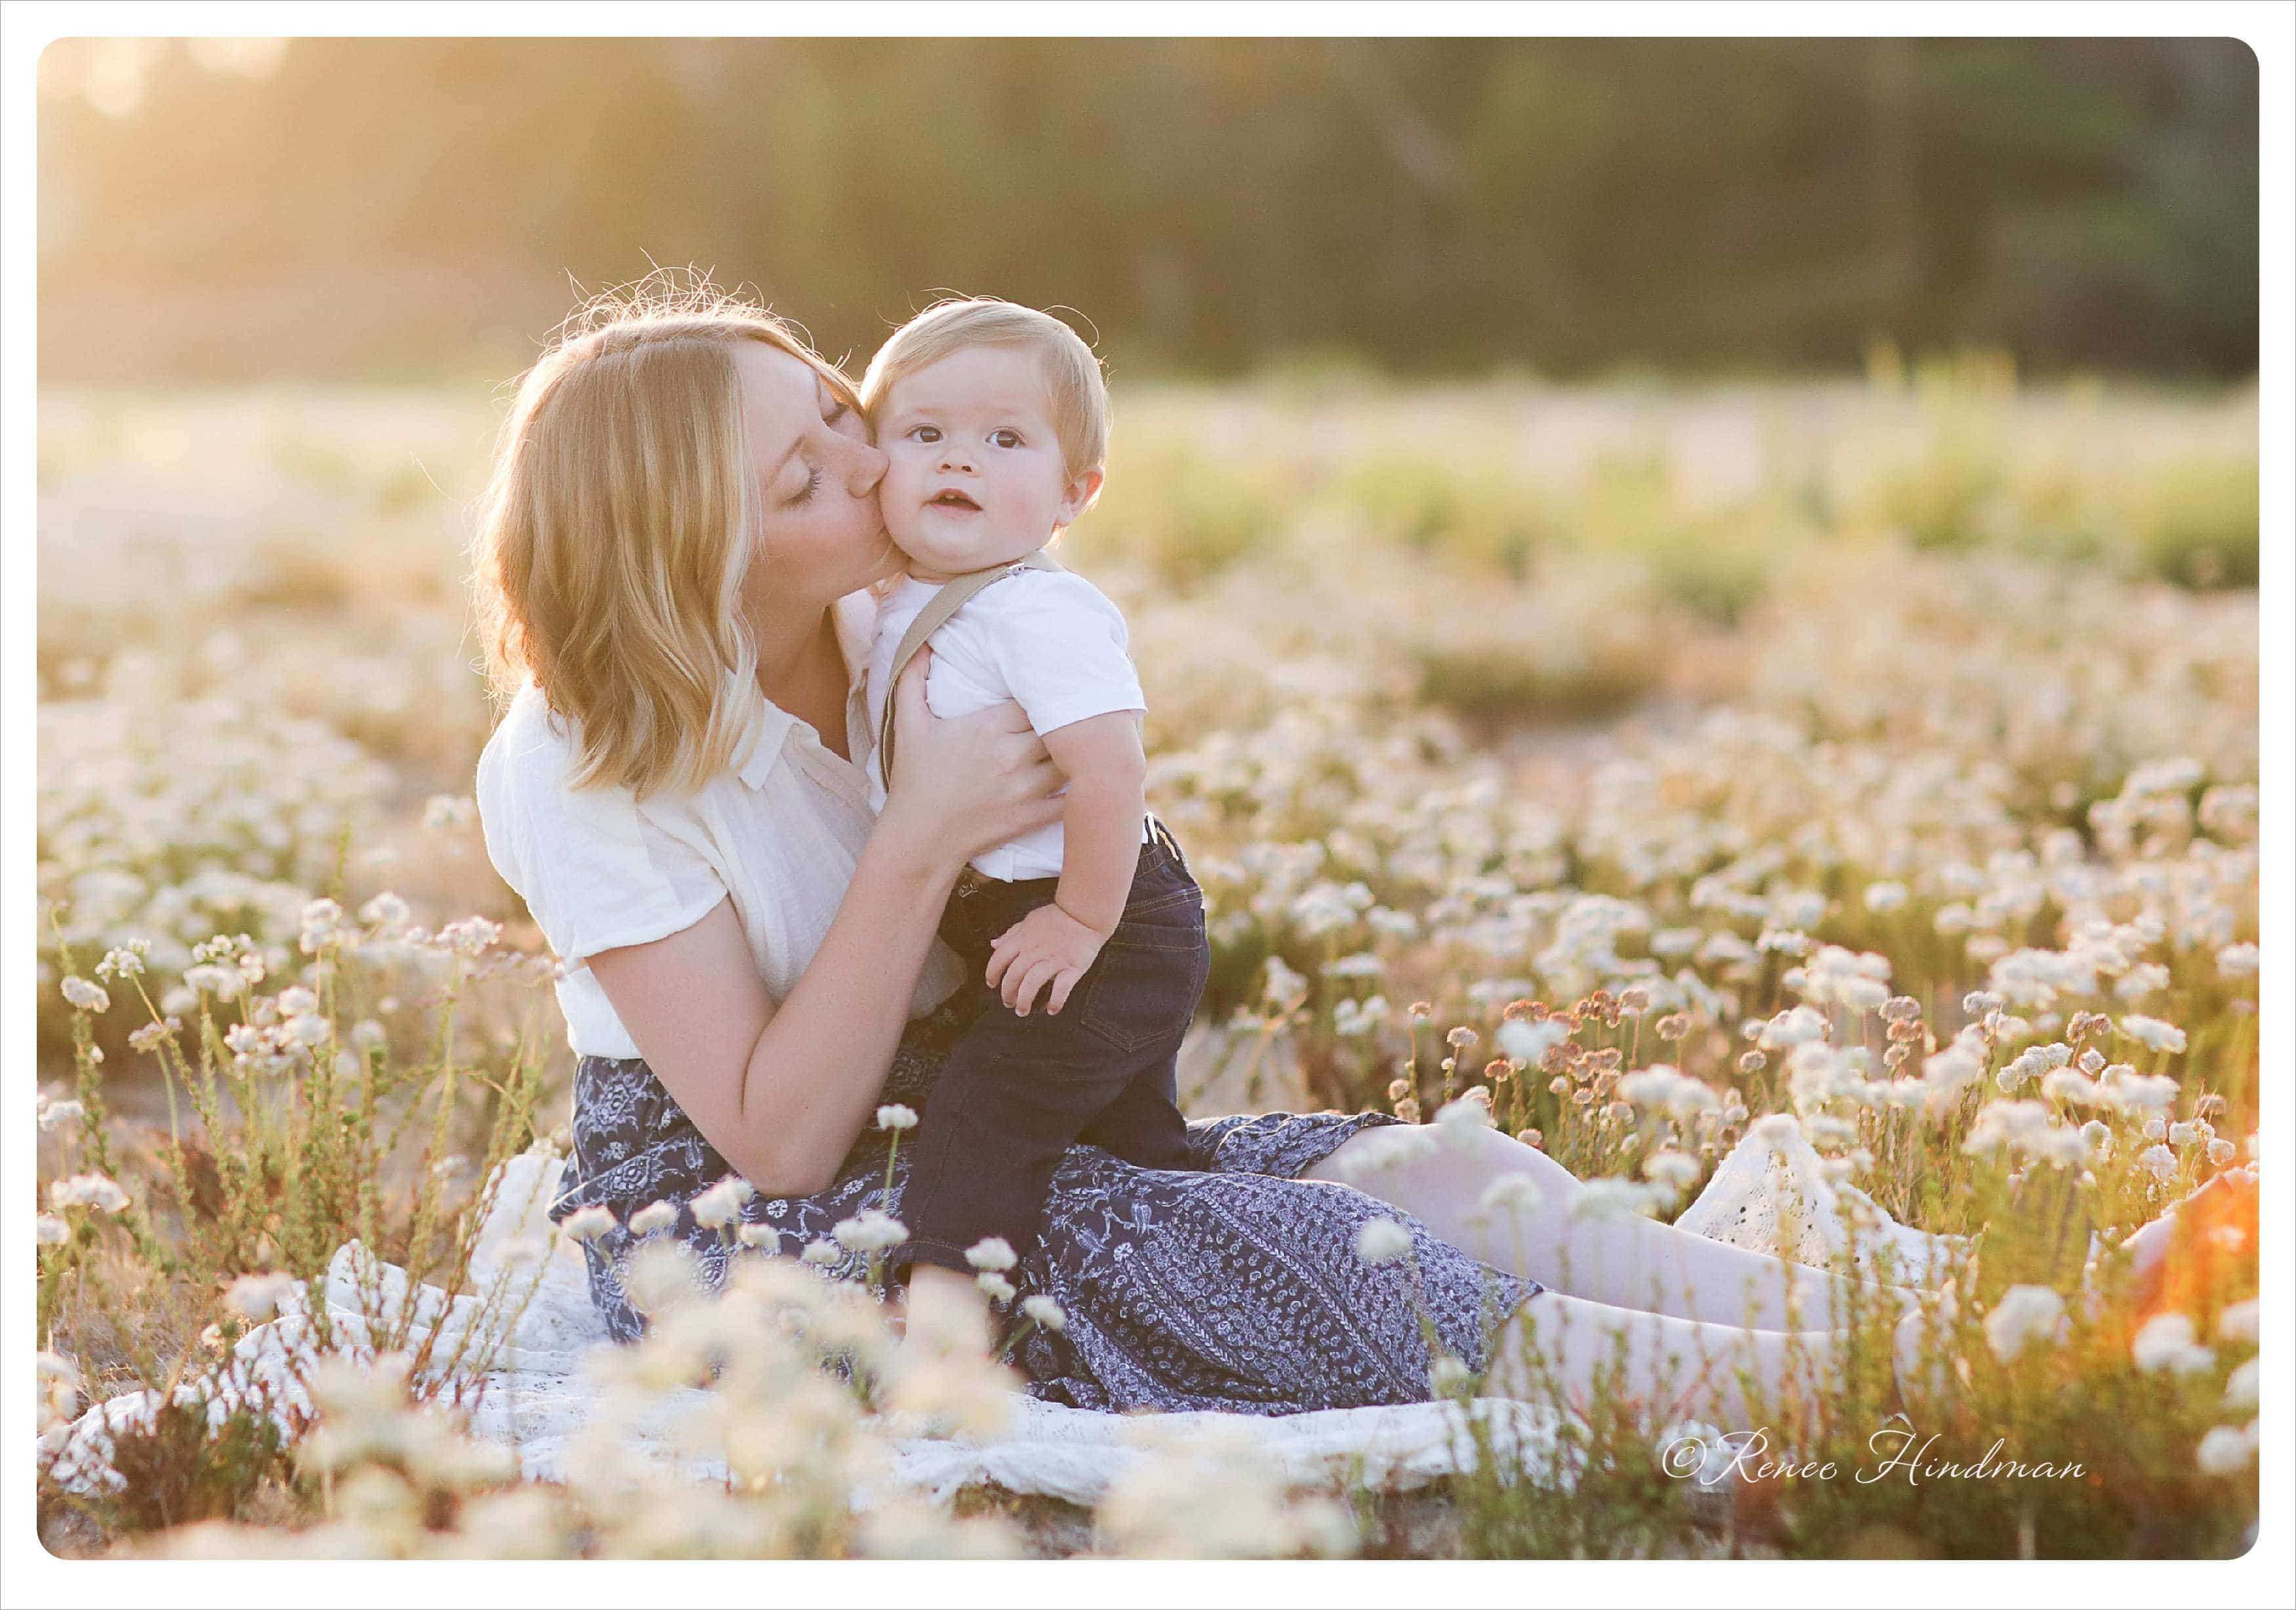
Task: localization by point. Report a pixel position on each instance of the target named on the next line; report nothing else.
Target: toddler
(995, 420)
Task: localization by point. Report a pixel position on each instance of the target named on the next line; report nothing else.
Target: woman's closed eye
(804, 493)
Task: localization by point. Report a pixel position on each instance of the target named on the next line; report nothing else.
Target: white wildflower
(443, 811)
(1382, 1241)
(1676, 1171)
(97, 1191)
(1449, 1376)
(588, 1223)
(1284, 988)
(991, 1252)
(721, 1204)
(870, 1230)
(2225, 1450)
(1352, 1019)
(1525, 1042)
(209, 978)
(127, 962)
(1045, 1312)
(2152, 1033)
(2166, 1342)
(1457, 1121)
(1794, 1027)
(472, 936)
(257, 1297)
(1613, 1198)
(2025, 1315)
(87, 996)
(1511, 1193)
(386, 911)
(653, 1217)
(893, 1115)
(660, 1275)
(2239, 961)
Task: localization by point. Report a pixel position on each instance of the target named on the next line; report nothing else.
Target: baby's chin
(952, 559)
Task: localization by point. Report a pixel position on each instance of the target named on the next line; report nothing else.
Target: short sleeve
(595, 872)
(1061, 647)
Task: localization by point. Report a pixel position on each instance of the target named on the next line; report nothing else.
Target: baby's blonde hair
(619, 525)
(1076, 390)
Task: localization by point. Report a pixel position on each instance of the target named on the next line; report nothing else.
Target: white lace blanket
(1769, 1194)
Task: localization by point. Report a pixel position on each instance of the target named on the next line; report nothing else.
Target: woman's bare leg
(1623, 1262)
(1677, 1368)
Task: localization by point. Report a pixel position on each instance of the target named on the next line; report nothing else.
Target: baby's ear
(1083, 492)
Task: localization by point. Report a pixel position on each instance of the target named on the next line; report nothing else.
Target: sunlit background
(1739, 524)
(254, 208)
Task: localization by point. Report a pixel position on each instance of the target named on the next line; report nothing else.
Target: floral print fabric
(1233, 1288)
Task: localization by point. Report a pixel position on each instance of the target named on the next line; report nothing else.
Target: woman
(672, 572)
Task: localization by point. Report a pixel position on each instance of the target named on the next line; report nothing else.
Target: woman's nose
(868, 469)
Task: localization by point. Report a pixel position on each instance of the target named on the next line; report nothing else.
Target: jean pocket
(1169, 919)
(1143, 986)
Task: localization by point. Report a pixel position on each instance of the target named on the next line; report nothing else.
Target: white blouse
(781, 832)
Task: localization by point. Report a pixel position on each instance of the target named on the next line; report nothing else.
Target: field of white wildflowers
(1634, 764)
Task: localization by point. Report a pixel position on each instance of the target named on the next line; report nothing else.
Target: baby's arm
(1107, 774)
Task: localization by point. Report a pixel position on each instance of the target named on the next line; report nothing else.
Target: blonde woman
(673, 574)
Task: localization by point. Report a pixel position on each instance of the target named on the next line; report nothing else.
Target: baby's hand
(1046, 946)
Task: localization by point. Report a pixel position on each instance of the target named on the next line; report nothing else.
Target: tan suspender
(930, 620)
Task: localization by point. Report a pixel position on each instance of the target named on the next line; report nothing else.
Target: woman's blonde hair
(617, 528)
(1076, 390)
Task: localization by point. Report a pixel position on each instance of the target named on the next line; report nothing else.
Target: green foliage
(182, 1468)
(1468, 511)
(1431, 205)
(1185, 514)
(2196, 522)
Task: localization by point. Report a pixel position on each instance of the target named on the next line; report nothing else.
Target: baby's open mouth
(952, 499)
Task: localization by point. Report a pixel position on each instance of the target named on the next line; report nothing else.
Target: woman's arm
(782, 1093)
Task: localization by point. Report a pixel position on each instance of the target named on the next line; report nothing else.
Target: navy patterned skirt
(1235, 1287)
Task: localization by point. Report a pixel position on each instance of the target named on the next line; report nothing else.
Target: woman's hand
(970, 781)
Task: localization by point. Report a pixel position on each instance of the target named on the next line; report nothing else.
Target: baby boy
(994, 417)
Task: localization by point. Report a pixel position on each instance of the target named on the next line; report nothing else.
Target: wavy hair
(619, 524)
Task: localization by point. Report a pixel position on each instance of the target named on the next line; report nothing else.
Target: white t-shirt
(1048, 640)
(781, 832)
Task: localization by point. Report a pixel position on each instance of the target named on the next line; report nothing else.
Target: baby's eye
(924, 433)
(1006, 439)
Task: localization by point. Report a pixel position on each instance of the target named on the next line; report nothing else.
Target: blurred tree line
(394, 207)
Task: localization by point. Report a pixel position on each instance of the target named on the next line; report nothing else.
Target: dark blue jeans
(1016, 1092)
